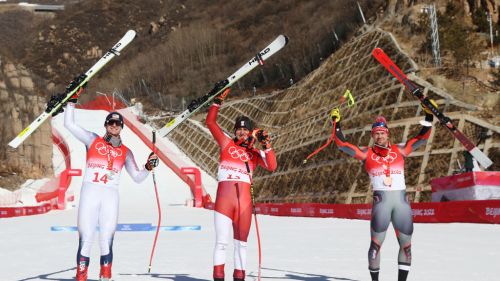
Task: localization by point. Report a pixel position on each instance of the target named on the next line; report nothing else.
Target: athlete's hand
(152, 162)
(220, 98)
(250, 142)
(428, 113)
(335, 114)
(426, 109)
(75, 83)
(263, 137)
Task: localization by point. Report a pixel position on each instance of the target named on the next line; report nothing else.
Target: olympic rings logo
(388, 159)
(238, 153)
(102, 149)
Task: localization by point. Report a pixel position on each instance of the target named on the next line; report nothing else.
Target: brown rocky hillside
(297, 118)
(185, 46)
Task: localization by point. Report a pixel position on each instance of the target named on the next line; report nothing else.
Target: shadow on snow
(176, 277)
(48, 276)
(287, 275)
(293, 275)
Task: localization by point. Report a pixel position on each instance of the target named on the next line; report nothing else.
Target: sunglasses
(114, 122)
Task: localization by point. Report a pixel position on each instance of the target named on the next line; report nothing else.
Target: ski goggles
(379, 124)
(379, 127)
(115, 122)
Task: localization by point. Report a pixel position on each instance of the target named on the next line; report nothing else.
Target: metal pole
(361, 13)
(491, 31)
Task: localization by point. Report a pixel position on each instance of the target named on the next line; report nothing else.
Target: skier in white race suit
(99, 198)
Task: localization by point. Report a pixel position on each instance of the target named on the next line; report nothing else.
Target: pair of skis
(443, 119)
(74, 87)
(195, 105)
(220, 86)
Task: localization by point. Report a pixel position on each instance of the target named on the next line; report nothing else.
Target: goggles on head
(379, 124)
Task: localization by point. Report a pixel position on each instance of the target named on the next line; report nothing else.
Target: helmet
(243, 122)
(114, 116)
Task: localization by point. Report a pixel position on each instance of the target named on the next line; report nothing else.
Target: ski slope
(311, 249)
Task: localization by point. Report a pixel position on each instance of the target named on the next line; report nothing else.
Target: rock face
(19, 105)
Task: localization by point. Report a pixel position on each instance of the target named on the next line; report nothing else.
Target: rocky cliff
(20, 103)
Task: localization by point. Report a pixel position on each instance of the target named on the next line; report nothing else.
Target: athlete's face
(381, 138)
(113, 128)
(242, 133)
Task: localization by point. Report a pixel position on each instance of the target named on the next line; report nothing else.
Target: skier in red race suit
(233, 205)
(384, 163)
(99, 198)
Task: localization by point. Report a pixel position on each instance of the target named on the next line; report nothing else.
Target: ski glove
(76, 82)
(75, 85)
(220, 98)
(263, 137)
(428, 113)
(426, 109)
(152, 162)
(335, 114)
(58, 99)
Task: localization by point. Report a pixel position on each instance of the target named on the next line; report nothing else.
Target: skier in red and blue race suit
(384, 163)
(233, 205)
(99, 198)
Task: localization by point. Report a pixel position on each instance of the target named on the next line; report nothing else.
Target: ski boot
(81, 274)
(219, 272)
(82, 269)
(105, 274)
(239, 275)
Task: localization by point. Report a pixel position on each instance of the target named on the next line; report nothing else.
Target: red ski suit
(233, 191)
(233, 205)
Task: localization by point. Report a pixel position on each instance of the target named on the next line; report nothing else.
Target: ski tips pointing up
(380, 55)
(286, 39)
(377, 51)
(131, 33)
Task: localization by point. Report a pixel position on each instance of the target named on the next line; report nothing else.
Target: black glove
(218, 100)
(247, 143)
(428, 113)
(152, 162)
(429, 117)
(263, 137)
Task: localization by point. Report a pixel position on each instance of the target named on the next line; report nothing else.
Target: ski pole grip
(154, 137)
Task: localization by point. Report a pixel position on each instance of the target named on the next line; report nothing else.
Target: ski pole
(159, 207)
(255, 218)
(347, 96)
(326, 144)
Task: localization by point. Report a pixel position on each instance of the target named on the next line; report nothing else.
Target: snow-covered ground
(310, 249)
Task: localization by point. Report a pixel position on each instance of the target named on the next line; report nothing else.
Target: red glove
(220, 99)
